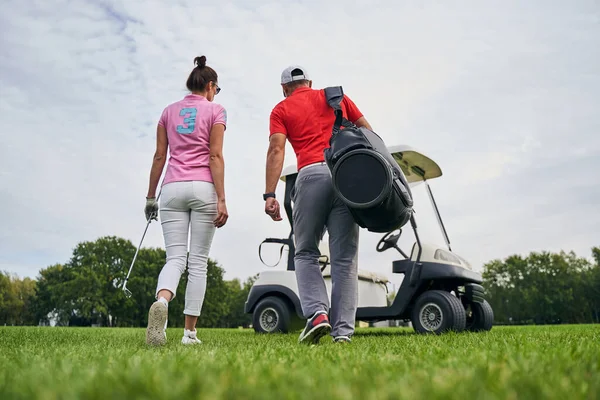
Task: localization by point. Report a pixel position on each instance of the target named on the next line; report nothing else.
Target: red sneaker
(316, 327)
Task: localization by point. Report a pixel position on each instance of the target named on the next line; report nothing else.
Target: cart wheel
(480, 317)
(271, 315)
(438, 311)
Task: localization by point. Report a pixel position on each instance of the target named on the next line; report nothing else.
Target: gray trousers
(316, 208)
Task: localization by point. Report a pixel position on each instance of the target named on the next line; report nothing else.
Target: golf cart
(439, 292)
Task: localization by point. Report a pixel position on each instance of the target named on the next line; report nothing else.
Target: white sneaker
(156, 332)
(189, 337)
(342, 339)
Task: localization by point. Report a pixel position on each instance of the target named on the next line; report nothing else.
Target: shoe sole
(316, 333)
(341, 339)
(190, 343)
(157, 317)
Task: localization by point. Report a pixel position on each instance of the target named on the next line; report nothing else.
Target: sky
(502, 94)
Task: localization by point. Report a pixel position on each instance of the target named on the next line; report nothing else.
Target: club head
(127, 292)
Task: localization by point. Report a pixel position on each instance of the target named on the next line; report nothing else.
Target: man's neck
(300, 88)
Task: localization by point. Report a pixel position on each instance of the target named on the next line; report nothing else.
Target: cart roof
(415, 165)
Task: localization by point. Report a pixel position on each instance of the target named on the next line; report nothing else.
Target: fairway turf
(538, 362)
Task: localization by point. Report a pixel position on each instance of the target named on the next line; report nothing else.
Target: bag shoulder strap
(334, 96)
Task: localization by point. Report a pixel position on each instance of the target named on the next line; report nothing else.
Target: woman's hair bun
(200, 61)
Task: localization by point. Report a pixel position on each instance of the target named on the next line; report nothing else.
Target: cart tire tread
(453, 312)
(483, 317)
(278, 308)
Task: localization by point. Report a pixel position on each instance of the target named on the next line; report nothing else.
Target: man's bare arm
(275, 157)
(363, 122)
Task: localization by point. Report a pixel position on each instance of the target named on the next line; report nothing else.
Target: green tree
(592, 279)
(51, 300)
(5, 289)
(26, 291)
(88, 288)
(237, 294)
(596, 255)
(543, 288)
(16, 298)
(97, 269)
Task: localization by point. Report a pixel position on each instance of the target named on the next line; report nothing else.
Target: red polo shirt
(307, 120)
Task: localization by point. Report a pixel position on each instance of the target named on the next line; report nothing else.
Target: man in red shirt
(305, 119)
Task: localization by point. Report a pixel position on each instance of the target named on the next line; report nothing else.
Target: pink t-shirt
(188, 123)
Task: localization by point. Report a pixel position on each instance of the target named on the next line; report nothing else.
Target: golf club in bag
(125, 290)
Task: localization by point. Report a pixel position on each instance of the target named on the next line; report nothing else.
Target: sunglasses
(218, 88)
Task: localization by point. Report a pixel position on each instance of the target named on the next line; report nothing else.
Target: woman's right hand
(221, 213)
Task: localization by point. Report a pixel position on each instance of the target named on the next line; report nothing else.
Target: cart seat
(362, 275)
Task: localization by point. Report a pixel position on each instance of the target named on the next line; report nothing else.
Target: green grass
(543, 362)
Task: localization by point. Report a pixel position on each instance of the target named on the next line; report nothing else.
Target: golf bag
(365, 175)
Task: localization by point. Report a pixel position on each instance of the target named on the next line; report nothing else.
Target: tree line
(541, 288)
(544, 288)
(87, 290)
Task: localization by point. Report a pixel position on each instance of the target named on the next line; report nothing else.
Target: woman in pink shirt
(192, 196)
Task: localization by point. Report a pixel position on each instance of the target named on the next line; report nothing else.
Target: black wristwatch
(267, 195)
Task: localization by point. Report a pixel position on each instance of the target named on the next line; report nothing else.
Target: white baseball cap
(286, 75)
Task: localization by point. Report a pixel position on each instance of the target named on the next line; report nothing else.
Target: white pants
(187, 207)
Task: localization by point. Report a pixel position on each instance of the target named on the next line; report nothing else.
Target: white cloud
(503, 95)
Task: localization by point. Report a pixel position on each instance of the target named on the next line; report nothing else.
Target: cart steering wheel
(388, 241)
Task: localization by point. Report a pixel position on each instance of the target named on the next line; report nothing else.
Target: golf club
(125, 290)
